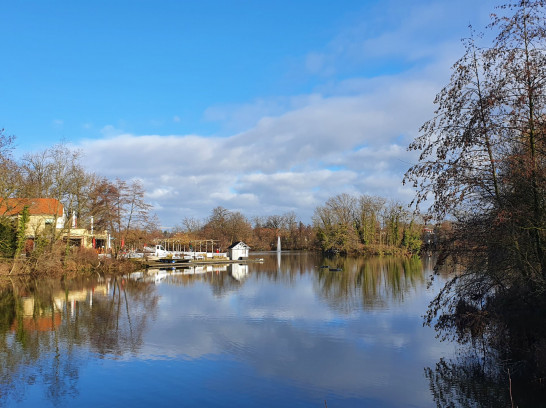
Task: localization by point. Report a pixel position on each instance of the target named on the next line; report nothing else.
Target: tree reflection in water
(48, 330)
(469, 381)
(481, 377)
(368, 283)
(501, 362)
(362, 282)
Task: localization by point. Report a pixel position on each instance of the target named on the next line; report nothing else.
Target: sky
(262, 107)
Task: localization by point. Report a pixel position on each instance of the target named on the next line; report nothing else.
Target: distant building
(238, 250)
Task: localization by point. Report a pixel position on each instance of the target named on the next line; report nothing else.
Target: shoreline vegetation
(85, 262)
(80, 263)
(483, 163)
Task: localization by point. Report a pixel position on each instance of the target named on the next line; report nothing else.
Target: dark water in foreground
(283, 333)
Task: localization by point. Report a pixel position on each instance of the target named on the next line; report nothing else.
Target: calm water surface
(282, 333)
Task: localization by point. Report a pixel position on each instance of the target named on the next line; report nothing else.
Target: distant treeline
(260, 233)
(344, 224)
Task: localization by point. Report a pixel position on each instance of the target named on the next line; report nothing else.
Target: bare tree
(56, 173)
(483, 162)
(335, 224)
(119, 207)
(227, 227)
(10, 180)
(191, 225)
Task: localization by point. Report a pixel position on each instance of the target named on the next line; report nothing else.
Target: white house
(238, 250)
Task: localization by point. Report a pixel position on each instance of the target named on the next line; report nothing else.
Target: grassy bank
(62, 262)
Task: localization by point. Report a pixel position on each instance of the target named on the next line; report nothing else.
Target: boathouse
(238, 250)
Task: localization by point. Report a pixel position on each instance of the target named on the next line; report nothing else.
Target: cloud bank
(349, 134)
(289, 162)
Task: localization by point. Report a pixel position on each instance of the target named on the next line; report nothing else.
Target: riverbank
(85, 262)
(60, 263)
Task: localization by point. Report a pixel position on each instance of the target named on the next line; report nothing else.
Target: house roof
(239, 245)
(36, 206)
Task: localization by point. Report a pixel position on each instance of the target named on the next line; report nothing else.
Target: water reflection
(49, 329)
(369, 283)
(182, 275)
(282, 332)
(222, 279)
(477, 376)
(469, 381)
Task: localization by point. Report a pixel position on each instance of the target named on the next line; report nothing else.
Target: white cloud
(292, 152)
(392, 34)
(290, 162)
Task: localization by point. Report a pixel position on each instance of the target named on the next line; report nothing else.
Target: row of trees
(261, 233)
(344, 224)
(353, 224)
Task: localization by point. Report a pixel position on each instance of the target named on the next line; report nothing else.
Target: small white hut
(238, 250)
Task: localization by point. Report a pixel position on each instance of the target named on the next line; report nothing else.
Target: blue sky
(259, 106)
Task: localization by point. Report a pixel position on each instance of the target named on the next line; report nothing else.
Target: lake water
(282, 333)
